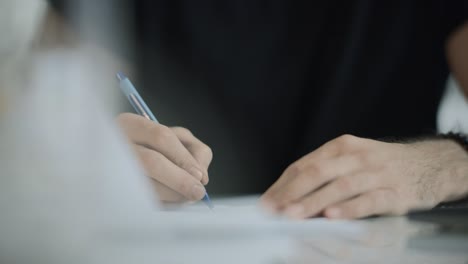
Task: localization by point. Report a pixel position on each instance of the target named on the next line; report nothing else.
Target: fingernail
(198, 174)
(198, 192)
(295, 211)
(206, 179)
(333, 213)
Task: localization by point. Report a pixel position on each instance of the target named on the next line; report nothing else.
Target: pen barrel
(137, 104)
(135, 99)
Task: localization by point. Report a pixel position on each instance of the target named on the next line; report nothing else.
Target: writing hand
(176, 160)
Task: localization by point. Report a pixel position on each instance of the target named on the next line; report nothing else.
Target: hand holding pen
(176, 160)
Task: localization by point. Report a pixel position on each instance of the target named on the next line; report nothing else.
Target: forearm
(453, 169)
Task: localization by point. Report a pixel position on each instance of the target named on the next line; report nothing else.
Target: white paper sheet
(243, 217)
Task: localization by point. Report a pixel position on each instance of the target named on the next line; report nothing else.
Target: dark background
(265, 82)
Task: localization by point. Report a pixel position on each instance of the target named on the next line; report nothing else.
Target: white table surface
(377, 240)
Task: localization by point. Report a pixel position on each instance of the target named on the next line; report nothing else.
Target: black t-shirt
(265, 82)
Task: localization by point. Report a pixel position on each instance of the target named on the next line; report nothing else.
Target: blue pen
(142, 109)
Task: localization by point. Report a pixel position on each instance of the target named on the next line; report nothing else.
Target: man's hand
(352, 177)
(176, 160)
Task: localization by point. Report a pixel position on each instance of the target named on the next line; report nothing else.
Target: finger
(333, 148)
(311, 178)
(321, 153)
(167, 173)
(327, 151)
(200, 151)
(377, 202)
(166, 194)
(293, 175)
(162, 139)
(342, 188)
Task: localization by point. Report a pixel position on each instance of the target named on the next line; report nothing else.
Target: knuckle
(184, 188)
(166, 194)
(182, 130)
(186, 164)
(301, 178)
(207, 152)
(310, 175)
(315, 170)
(306, 171)
(286, 195)
(344, 184)
(124, 117)
(346, 141)
(294, 170)
(162, 134)
(150, 161)
(146, 157)
(162, 130)
(189, 164)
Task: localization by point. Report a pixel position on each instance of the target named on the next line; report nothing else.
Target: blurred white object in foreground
(67, 177)
(19, 23)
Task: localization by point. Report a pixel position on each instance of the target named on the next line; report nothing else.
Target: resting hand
(176, 160)
(352, 177)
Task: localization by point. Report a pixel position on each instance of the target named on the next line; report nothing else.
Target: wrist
(459, 138)
(445, 161)
(455, 169)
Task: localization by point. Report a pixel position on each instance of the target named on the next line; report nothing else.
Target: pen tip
(120, 76)
(207, 201)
